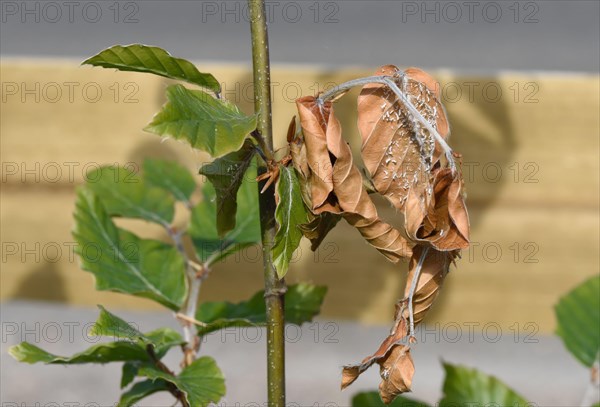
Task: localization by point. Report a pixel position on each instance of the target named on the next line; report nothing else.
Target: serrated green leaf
(143, 58)
(109, 324)
(372, 399)
(123, 262)
(170, 176)
(125, 194)
(465, 386)
(289, 214)
(164, 339)
(209, 246)
(208, 124)
(120, 351)
(226, 174)
(133, 350)
(142, 390)
(202, 382)
(128, 373)
(578, 315)
(302, 303)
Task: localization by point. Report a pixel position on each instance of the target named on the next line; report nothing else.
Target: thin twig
(413, 287)
(592, 392)
(186, 318)
(174, 390)
(195, 273)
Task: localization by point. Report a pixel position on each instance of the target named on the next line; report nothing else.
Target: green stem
(274, 288)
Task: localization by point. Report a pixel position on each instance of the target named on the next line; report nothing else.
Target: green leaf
(142, 58)
(164, 339)
(123, 193)
(464, 386)
(109, 324)
(578, 315)
(302, 303)
(123, 262)
(128, 373)
(290, 214)
(212, 125)
(120, 351)
(372, 399)
(132, 350)
(227, 174)
(209, 246)
(170, 176)
(142, 390)
(202, 381)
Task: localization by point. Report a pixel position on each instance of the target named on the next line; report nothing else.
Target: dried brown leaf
(434, 268)
(351, 372)
(446, 224)
(318, 227)
(396, 370)
(335, 183)
(398, 153)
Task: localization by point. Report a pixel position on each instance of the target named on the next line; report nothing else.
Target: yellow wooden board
(530, 144)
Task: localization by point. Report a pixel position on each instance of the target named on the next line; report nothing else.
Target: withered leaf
(351, 372)
(397, 151)
(396, 370)
(445, 225)
(336, 184)
(434, 268)
(319, 226)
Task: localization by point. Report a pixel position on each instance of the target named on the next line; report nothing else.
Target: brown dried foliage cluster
(405, 165)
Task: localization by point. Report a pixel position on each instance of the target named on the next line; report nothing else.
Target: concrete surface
(543, 372)
(469, 36)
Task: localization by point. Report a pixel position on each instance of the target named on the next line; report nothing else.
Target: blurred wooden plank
(515, 271)
(545, 199)
(541, 132)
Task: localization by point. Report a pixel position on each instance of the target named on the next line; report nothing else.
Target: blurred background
(519, 79)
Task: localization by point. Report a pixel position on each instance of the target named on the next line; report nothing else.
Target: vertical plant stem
(274, 288)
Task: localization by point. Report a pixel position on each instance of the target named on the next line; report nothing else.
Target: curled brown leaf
(445, 225)
(335, 183)
(351, 372)
(396, 370)
(435, 265)
(397, 151)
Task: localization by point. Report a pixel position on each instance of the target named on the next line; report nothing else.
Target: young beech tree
(304, 192)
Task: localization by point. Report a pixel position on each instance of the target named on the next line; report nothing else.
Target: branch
(195, 274)
(178, 394)
(592, 392)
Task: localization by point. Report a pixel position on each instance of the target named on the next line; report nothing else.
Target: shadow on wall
(44, 283)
